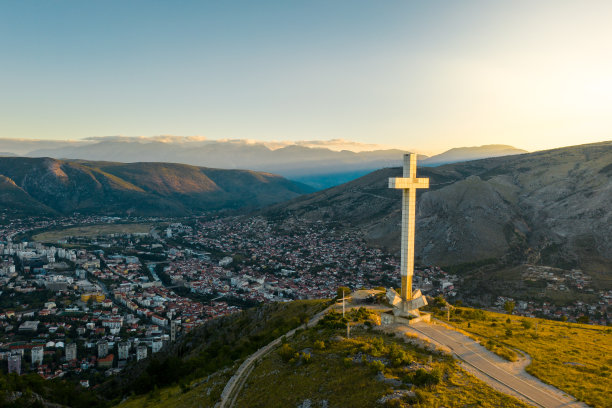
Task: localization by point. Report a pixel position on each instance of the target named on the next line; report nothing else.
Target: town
(84, 306)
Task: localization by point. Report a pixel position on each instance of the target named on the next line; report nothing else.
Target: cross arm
(403, 183)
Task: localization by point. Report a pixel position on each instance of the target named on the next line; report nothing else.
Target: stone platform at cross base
(405, 311)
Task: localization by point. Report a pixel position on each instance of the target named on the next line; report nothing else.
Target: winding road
(475, 358)
(479, 358)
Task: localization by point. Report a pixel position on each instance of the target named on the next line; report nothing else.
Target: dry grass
(203, 393)
(575, 358)
(340, 374)
(92, 231)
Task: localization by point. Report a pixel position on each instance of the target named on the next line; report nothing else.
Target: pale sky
(424, 76)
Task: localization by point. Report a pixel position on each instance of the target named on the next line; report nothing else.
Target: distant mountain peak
(460, 154)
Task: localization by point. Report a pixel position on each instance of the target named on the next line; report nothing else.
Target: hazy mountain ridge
(460, 154)
(44, 185)
(549, 207)
(287, 161)
(313, 163)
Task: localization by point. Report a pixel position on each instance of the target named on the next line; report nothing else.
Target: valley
(129, 290)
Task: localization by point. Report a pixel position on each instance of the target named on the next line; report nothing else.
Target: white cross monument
(408, 302)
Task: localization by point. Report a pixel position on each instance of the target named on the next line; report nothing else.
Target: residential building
(37, 355)
(14, 364)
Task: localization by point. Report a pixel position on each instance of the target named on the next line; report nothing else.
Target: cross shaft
(409, 185)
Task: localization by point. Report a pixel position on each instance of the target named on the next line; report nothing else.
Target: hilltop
(45, 186)
(375, 366)
(545, 208)
(380, 366)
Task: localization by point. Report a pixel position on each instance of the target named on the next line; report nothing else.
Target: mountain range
(311, 163)
(50, 186)
(550, 207)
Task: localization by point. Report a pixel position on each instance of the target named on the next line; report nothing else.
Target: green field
(575, 358)
(92, 231)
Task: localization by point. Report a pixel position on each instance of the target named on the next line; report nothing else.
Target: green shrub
(398, 356)
(394, 403)
(305, 357)
(422, 378)
(377, 365)
(286, 352)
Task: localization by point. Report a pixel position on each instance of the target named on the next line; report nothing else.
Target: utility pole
(343, 303)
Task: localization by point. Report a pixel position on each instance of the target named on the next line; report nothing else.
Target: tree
(509, 306)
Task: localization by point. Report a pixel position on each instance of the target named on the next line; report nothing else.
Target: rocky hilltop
(549, 207)
(49, 186)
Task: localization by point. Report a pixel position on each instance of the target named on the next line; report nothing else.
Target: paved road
(482, 360)
(234, 385)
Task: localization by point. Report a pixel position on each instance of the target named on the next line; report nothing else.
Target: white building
(141, 352)
(113, 323)
(14, 364)
(102, 349)
(37, 355)
(156, 345)
(71, 352)
(226, 261)
(159, 320)
(124, 351)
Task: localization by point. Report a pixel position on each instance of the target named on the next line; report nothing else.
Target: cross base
(406, 308)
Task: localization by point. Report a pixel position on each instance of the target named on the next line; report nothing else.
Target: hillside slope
(388, 366)
(550, 207)
(318, 367)
(44, 185)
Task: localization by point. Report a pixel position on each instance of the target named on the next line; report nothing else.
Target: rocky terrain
(550, 207)
(41, 186)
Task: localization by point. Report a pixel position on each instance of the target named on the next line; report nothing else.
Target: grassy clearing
(575, 358)
(92, 231)
(320, 365)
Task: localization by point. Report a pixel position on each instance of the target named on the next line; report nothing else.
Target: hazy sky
(419, 75)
